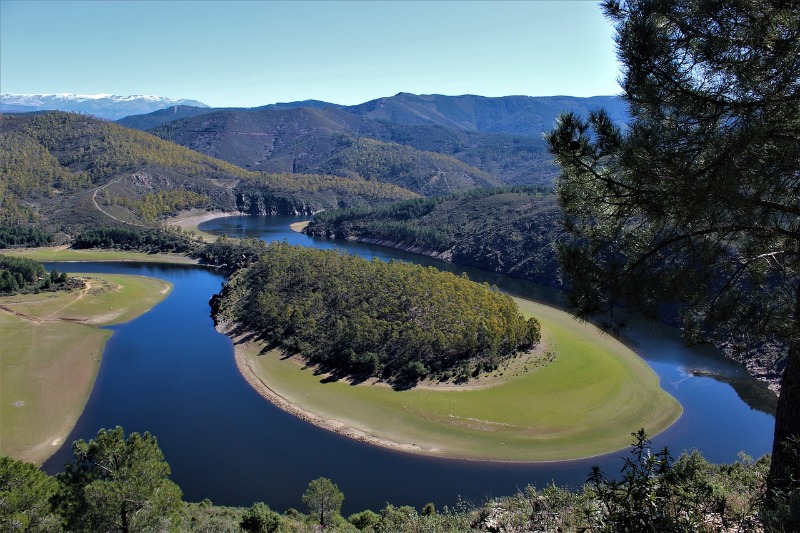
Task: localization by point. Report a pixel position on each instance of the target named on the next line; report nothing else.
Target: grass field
(585, 403)
(63, 253)
(50, 351)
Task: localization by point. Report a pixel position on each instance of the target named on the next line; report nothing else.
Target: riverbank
(190, 220)
(53, 343)
(52, 254)
(583, 403)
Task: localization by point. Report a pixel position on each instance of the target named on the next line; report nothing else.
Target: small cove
(169, 372)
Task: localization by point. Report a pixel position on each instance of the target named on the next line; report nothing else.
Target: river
(171, 373)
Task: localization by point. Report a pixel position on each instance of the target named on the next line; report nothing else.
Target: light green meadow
(585, 403)
(50, 351)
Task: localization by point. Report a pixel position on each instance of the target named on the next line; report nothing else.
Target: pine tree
(698, 200)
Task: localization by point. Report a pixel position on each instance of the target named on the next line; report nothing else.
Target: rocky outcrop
(446, 255)
(263, 203)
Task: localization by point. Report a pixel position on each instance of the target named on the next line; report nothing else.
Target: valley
(181, 369)
(471, 187)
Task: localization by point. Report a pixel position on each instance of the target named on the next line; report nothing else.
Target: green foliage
(23, 236)
(18, 274)
(260, 519)
(395, 320)
(116, 483)
(133, 238)
(206, 517)
(652, 495)
(25, 493)
(508, 230)
(232, 254)
(696, 204)
(365, 520)
(323, 499)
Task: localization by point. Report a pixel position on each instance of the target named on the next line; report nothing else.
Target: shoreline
(240, 349)
(193, 219)
(189, 221)
(57, 381)
(245, 349)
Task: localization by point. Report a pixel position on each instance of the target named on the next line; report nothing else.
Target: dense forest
(14, 236)
(134, 238)
(397, 321)
(506, 230)
(121, 483)
(18, 274)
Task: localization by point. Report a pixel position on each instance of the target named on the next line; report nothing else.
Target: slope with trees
(297, 139)
(697, 202)
(67, 172)
(504, 230)
(323, 141)
(528, 116)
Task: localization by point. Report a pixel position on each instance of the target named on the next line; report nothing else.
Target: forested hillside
(506, 230)
(68, 172)
(397, 321)
(325, 141)
(498, 136)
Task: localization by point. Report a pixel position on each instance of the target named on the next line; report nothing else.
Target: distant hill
(157, 118)
(286, 138)
(517, 115)
(318, 104)
(106, 106)
(321, 141)
(507, 230)
(154, 119)
(67, 172)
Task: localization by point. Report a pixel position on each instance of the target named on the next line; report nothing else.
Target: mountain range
(501, 137)
(293, 157)
(106, 106)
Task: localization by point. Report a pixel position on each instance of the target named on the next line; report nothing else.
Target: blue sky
(253, 53)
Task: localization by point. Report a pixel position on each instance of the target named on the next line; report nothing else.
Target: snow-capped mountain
(107, 106)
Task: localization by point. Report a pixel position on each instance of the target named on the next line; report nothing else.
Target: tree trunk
(124, 512)
(787, 415)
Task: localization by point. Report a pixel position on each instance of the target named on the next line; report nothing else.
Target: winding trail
(106, 213)
(87, 286)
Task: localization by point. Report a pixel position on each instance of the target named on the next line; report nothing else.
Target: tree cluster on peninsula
(397, 321)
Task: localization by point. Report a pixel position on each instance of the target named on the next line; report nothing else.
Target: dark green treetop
(324, 500)
(116, 483)
(698, 202)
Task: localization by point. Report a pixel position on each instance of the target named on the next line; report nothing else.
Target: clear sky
(250, 53)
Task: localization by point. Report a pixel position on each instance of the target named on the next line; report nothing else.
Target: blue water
(169, 372)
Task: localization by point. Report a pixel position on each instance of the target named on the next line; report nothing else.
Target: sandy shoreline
(192, 220)
(242, 347)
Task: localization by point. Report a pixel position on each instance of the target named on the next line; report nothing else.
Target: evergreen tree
(324, 500)
(118, 484)
(698, 201)
(25, 493)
